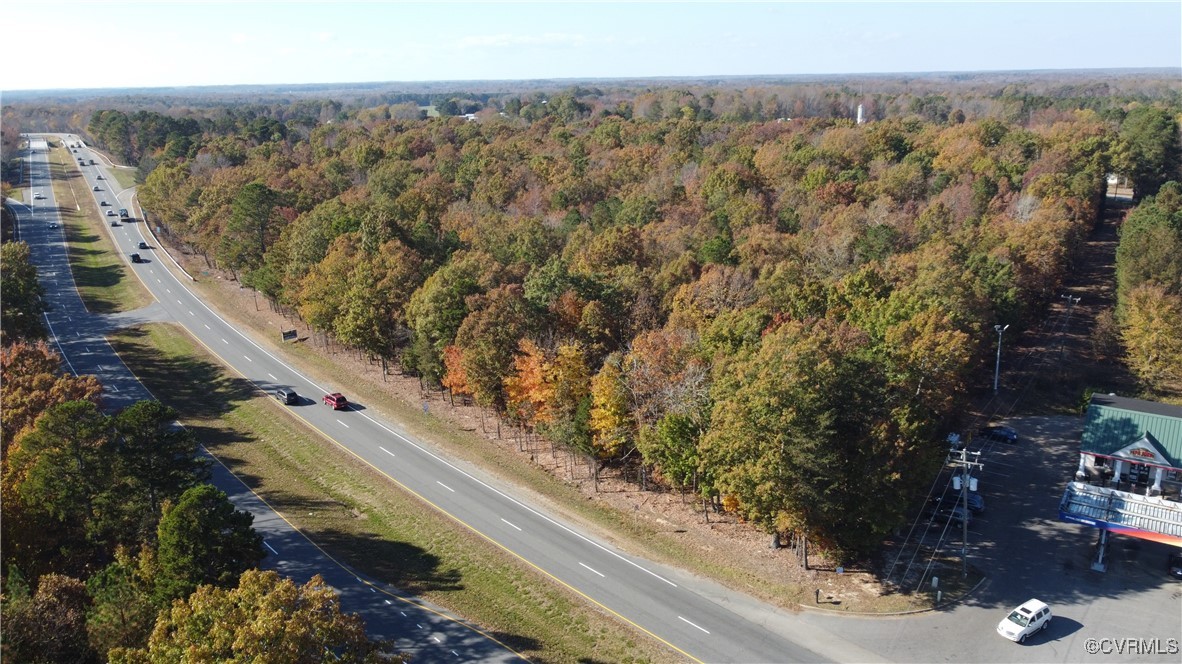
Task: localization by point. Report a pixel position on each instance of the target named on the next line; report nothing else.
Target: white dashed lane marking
(594, 570)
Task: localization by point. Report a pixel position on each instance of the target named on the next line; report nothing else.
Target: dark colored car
(976, 502)
(287, 396)
(143, 245)
(136, 258)
(1175, 564)
(336, 400)
(998, 433)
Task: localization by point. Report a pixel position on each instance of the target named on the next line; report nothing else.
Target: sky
(96, 44)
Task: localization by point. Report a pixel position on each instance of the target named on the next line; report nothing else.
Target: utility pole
(965, 469)
(997, 366)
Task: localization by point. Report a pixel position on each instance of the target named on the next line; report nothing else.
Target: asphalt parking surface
(1131, 613)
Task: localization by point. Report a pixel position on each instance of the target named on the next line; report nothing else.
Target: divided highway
(426, 632)
(697, 618)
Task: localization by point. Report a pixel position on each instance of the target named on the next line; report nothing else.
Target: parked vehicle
(976, 502)
(998, 433)
(337, 401)
(1030, 617)
(1174, 564)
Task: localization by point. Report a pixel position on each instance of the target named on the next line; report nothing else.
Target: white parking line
(270, 547)
(512, 525)
(601, 575)
(445, 486)
(690, 623)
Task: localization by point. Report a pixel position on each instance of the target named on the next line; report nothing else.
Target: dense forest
(736, 286)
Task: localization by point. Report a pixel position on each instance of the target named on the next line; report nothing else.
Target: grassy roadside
(104, 280)
(387, 533)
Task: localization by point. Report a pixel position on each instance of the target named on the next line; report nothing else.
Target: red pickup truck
(336, 400)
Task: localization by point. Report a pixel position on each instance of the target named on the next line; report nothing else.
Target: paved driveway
(1027, 552)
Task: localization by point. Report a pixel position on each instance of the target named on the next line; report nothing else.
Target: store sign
(1143, 453)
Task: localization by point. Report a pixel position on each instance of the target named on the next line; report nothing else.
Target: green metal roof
(1114, 423)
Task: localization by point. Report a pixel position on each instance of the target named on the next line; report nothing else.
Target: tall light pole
(997, 366)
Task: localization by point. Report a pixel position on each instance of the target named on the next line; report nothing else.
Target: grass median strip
(104, 280)
(362, 519)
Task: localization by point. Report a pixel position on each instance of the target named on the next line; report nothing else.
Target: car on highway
(1032, 616)
(287, 396)
(143, 245)
(110, 213)
(998, 433)
(38, 195)
(136, 258)
(52, 225)
(97, 188)
(98, 177)
(104, 204)
(336, 400)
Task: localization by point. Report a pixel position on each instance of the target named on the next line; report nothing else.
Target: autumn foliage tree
(31, 381)
(264, 618)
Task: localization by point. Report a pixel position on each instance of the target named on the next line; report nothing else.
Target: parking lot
(1025, 551)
